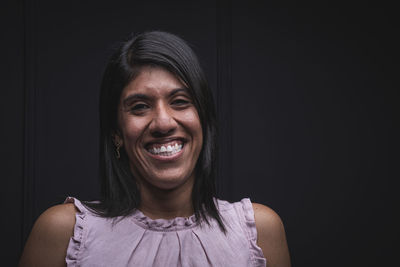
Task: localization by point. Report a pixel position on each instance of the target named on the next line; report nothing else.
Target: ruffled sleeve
(251, 232)
(77, 240)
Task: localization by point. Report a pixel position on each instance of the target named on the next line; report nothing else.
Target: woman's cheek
(191, 117)
(131, 131)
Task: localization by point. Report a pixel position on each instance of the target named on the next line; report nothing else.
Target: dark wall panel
(314, 127)
(12, 129)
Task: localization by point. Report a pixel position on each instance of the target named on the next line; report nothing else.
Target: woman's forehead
(153, 81)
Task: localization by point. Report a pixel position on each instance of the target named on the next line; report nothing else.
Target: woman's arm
(271, 236)
(47, 243)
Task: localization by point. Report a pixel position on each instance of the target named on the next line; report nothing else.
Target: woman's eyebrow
(175, 91)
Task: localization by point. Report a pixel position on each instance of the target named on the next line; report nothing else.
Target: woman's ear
(118, 142)
(116, 136)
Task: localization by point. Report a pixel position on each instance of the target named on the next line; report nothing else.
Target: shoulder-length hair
(119, 192)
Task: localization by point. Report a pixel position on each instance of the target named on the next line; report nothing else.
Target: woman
(157, 158)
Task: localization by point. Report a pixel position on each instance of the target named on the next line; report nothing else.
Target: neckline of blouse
(164, 225)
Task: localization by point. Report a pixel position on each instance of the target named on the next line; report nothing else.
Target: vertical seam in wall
(29, 119)
(224, 94)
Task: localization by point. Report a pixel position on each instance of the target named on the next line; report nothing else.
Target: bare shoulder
(60, 214)
(271, 237)
(266, 218)
(50, 236)
(57, 222)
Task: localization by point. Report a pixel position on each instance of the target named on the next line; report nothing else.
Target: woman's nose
(163, 122)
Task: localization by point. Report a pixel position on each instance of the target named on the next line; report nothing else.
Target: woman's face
(160, 129)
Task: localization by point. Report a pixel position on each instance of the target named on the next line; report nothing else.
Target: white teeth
(166, 151)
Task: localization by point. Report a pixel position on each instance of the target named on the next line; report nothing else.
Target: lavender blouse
(137, 240)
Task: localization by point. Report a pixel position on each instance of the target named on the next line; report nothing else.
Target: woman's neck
(157, 203)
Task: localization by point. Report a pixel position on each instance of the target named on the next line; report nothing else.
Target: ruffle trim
(251, 230)
(76, 242)
(164, 225)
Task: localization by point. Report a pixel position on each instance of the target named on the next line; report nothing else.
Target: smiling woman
(158, 203)
(160, 130)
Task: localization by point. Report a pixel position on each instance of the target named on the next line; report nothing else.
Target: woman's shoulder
(271, 237)
(266, 218)
(58, 219)
(50, 235)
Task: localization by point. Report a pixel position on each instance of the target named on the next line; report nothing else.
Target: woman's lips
(166, 151)
(159, 145)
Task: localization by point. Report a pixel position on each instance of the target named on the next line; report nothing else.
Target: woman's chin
(169, 182)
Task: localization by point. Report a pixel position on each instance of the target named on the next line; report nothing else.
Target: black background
(307, 100)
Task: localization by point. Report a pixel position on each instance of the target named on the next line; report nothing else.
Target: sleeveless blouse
(137, 240)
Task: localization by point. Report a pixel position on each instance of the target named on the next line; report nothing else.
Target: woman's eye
(139, 107)
(180, 102)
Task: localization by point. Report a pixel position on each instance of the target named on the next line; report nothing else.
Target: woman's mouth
(165, 149)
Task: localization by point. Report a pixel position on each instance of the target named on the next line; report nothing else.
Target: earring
(118, 143)
(117, 147)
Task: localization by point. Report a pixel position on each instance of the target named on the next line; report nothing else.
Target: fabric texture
(137, 240)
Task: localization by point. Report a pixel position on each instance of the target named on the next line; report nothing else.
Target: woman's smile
(160, 128)
(166, 150)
